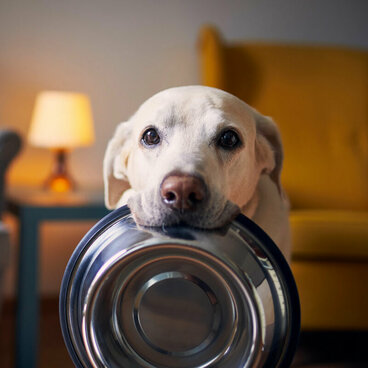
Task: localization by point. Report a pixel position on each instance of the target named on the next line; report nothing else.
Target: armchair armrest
(10, 144)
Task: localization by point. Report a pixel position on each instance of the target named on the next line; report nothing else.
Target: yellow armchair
(318, 96)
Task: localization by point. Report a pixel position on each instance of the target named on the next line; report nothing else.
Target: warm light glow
(60, 184)
(61, 120)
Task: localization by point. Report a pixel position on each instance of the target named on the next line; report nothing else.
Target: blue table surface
(27, 196)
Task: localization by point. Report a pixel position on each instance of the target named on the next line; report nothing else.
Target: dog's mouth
(151, 213)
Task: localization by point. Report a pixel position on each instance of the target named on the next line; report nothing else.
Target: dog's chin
(159, 215)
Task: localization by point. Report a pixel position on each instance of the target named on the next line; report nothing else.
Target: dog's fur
(189, 121)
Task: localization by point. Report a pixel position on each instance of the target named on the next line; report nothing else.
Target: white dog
(198, 155)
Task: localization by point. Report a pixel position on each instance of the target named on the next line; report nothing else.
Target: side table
(31, 207)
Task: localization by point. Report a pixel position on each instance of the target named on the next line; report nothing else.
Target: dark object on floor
(345, 349)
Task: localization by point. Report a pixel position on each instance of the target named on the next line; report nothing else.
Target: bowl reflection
(178, 297)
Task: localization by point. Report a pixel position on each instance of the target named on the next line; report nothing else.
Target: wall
(120, 52)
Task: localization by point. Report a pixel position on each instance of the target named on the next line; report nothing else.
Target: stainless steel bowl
(178, 297)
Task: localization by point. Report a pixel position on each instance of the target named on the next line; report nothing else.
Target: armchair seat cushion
(330, 266)
(329, 235)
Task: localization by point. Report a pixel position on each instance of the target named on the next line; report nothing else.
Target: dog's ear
(115, 165)
(269, 151)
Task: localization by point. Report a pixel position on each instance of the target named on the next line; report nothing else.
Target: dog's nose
(182, 192)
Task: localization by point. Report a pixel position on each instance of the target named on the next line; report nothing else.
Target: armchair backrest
(318, 96)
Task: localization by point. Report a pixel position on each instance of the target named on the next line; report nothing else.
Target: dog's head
(190, 154)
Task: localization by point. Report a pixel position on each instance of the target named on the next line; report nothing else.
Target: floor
(316, 350)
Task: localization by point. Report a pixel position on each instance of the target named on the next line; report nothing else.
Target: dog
(199, 156)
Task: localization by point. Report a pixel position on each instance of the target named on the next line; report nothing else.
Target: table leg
(27, 317)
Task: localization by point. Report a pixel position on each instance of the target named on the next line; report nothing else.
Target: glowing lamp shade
(61, 121)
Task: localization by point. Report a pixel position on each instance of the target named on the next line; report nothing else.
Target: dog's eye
(151, 137)
(228, 140)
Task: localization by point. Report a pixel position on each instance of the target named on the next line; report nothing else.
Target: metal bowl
(178, 297)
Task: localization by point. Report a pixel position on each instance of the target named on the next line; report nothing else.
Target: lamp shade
(61, 120)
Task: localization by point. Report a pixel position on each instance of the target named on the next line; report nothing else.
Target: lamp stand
(59, 179)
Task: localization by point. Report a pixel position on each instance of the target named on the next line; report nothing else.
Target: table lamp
(61, 121)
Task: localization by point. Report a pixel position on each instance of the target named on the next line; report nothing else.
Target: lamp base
(59, 180)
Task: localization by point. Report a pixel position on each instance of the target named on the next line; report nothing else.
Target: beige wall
(121, 52)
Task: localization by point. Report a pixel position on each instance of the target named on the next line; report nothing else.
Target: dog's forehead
(193, 104)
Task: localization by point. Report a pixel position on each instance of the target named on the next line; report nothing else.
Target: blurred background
(119, 53)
